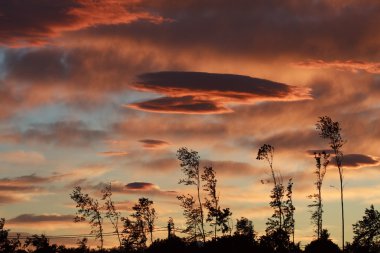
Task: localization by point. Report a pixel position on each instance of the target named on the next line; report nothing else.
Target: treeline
(209, 226)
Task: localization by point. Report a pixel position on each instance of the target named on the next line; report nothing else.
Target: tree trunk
(201, 210)
(342, 205)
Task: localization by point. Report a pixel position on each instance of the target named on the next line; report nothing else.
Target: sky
(98, 91)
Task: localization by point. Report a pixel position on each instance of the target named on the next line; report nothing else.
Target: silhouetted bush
(173, 244)
(236, 243)
(324, 244)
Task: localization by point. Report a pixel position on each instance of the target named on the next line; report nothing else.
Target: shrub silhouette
(323, 244)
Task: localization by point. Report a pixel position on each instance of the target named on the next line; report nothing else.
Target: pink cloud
(349, 65)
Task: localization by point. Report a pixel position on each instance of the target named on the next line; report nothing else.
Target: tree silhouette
(276, 221)
(88, 208)
(190, 167)
(145, 215)
(192, 216)
(170, 228)
(6, 244)
(216, 216)
(134, 235)
(328, 129)
(367, 231)
(289, 222)
(323, 244)
(82, 245)
(41, 243)
(266, 152)
(244, 227)
(322, 161)
(111, 213)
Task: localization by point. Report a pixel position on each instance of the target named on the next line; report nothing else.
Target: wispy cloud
(22, 157)
(35, 22)
(349, 65)
(61, 133)
(113, 153)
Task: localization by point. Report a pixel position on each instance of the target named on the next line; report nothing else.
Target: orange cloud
(23, 188)
(113, 153)
(349, 65)
(34, 22)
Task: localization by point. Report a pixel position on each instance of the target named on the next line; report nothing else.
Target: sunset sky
(97, 91)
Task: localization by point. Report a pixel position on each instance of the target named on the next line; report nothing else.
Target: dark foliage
(367, 231)
(171, 245)
(323, 244)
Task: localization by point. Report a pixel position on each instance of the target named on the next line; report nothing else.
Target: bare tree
(111, 213)
(322, 161)
(330, 130)
(88, 208)
(190, 167)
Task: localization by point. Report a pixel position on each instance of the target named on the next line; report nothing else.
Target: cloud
(207, 93)
(349, 65)
(351, 160)
(5, 198)
(33, 218)
(151, 143)
(83, 174)
(287, 140)
(22, 157)
(266, 30)
(186, 104)
(113, 153)
(43, 222)
(32, 179)
(137, 188)
(158, 165)
(317, 151)
(23, 188)
(359, 160)
(80, 77)
(140, 186)
(34, 22)
(60, 133)
(233, 168)
(178, 127)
